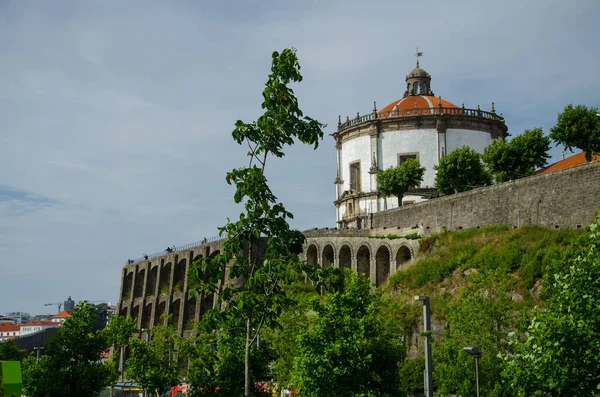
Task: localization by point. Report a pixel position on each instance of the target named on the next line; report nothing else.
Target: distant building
(576, 159)
(111, 310)
(37, 326)
(69, 304)
(9, 331)
(7, 320)
(61, 317)
(20, 317)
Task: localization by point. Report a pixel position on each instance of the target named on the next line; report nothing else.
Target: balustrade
(179, 248)
(438, 110)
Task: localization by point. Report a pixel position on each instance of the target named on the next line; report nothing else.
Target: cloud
(115, 117)
(14, 202)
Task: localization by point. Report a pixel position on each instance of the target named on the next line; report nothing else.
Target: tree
(216, 362)
(257, 296)
(349, 351)
(559, 354)
(153, 363)
(118, 333)
(479, 317)
(518, 157)
(294, 320)
(71, 366)
(578, 127)
(10, 352)
(397, 180)
(460, 170)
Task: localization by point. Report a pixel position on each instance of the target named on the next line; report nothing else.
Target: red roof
(63, 314)
(9, 327)
(41, 322)
(411, 102)
(576, 159)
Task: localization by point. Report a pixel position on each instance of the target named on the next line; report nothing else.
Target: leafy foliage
(479, 317)
(118, 333)
(258, 295)
(518, 157)
(153, 364)
(397, 180)
(217, 362)
(559, 354)
(578, 127)
(295, 320)
(71, 366)
(10, 352)
(529, 251)
(349, 351)
(460, 170)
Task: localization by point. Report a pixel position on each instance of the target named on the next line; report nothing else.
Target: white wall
(422, 141)
(356, 149)
(478, 140)
(391, 143)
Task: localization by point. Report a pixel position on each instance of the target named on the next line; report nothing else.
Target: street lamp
(37, 353)
(427, 332)
(476, 353)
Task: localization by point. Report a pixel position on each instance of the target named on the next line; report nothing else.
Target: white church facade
(418, 125)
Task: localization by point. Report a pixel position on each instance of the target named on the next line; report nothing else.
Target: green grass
(526, 252)
(391, 236)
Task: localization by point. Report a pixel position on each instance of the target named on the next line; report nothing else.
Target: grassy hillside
(482, 283)
(519, 258)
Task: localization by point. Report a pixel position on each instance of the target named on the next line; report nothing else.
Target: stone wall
(565, 198)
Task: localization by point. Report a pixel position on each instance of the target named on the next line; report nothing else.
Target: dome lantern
(418, 81)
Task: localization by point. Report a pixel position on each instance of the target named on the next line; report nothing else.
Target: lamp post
(476, 353)
(37, 353)
(427, 332)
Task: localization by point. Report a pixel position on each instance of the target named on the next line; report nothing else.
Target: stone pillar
(441, 141)
(373, 268)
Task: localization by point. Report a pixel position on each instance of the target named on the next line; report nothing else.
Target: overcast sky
(116, 116)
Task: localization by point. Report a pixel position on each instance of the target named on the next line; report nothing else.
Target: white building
(9, 331)
(37, 326)
(61, 317)
(418, 125)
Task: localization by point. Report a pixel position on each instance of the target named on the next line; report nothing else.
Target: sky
(116, 116)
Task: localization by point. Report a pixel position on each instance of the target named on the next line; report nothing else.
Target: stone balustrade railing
(179, 248)
(419, 112)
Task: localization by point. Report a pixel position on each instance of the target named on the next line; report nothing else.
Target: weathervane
(418, 54)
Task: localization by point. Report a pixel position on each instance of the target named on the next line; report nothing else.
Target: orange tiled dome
(416, 101)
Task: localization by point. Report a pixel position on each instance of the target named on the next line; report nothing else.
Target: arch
(151, 281)
(328, 255)
(146, 315)
(382, 265)
(190, 313)
(197, 257)
(363, 260)
(135, 313)
(311, 255)
(123, 312)
(138, 288)
(403, 256)
(165, 279)
(214, 253)
(206, 304)
(174, 310)
(127, 286)
(160, 311)
(345, 256)
(179, 275)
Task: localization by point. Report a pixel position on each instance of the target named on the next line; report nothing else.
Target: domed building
(419, 125)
